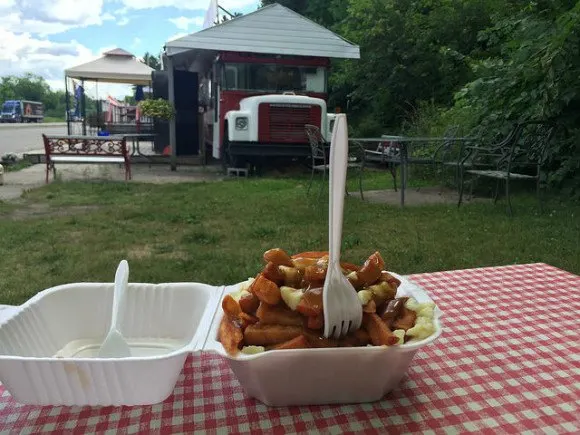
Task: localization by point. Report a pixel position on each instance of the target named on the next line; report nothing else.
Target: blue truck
(22, 111)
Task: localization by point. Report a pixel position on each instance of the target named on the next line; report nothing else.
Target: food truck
(261, 78)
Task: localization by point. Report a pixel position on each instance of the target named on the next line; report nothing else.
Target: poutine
(281, 307)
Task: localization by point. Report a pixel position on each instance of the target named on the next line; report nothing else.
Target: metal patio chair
(319, 153)
(520, 156)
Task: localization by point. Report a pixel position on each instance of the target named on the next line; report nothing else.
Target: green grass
(217, 232)
(13, 167)
(54, 119)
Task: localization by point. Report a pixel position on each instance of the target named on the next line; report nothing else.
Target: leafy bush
(532, 74)
(157, 108)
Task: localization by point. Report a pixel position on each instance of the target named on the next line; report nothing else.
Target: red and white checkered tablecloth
(508, 362)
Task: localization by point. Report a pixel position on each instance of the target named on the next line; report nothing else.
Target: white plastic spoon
(115, 345)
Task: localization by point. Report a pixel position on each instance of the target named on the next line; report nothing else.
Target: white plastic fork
(341, 305)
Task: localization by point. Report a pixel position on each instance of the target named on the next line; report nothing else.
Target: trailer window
(273, 78)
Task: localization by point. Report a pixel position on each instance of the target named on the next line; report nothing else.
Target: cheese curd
(400, 334)
(365, 296)
(252, 350)
(291, 296)
(424, 326)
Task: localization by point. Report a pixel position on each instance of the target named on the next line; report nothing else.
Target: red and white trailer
(262, 77)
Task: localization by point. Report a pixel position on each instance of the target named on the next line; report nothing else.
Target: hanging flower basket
(157, 108)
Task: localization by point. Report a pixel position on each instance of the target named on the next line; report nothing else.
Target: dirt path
(15, 183)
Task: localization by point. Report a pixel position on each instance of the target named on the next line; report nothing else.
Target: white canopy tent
(273, 29)
(115, 66)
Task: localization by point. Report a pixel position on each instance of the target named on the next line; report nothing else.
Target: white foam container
(325, 376)
(48, 345)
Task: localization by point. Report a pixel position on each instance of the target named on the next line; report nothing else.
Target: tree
(226, 18)
(152, 60)
(33, 87)
(299, 6)
(27, 87)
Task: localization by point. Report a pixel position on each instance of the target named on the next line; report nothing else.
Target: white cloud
(25, 47)
(45, 17)
(183, 23)
(22, 53)
(188, 5)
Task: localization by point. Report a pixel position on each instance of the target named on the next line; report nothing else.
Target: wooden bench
(87, 150)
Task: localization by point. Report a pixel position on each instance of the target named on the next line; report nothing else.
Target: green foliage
(411, 51)
(33, 87)
(157, 108)
(533, 74)
(152, 60)
(427, 65)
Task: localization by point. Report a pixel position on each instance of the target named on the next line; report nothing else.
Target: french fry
(299, 342)
(362, 336)
(266, 290)
(315, 322)
(249, 303)
(378, 331)
(315, 275)
(371, 270)
(278, 315)
(371, 307)
(273, 273)
(406, 320)
(301, 263)
(247, 320)
(278, 256)
(231, 307)
(355, 339)
(310, 254)
(318, 341)
(311, 303)
(264, 335)
(230, 335)
(349, 267)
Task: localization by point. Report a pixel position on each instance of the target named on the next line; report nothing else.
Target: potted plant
(157, 108)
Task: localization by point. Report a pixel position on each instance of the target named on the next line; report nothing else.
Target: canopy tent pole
(171, 99)
(84, 108)
(67, 105)
(98, 106)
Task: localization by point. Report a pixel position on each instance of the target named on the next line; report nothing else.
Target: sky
(45, 37)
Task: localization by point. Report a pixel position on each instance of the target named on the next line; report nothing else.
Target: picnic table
(507, 362)
(135, 139)
(404, 146)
